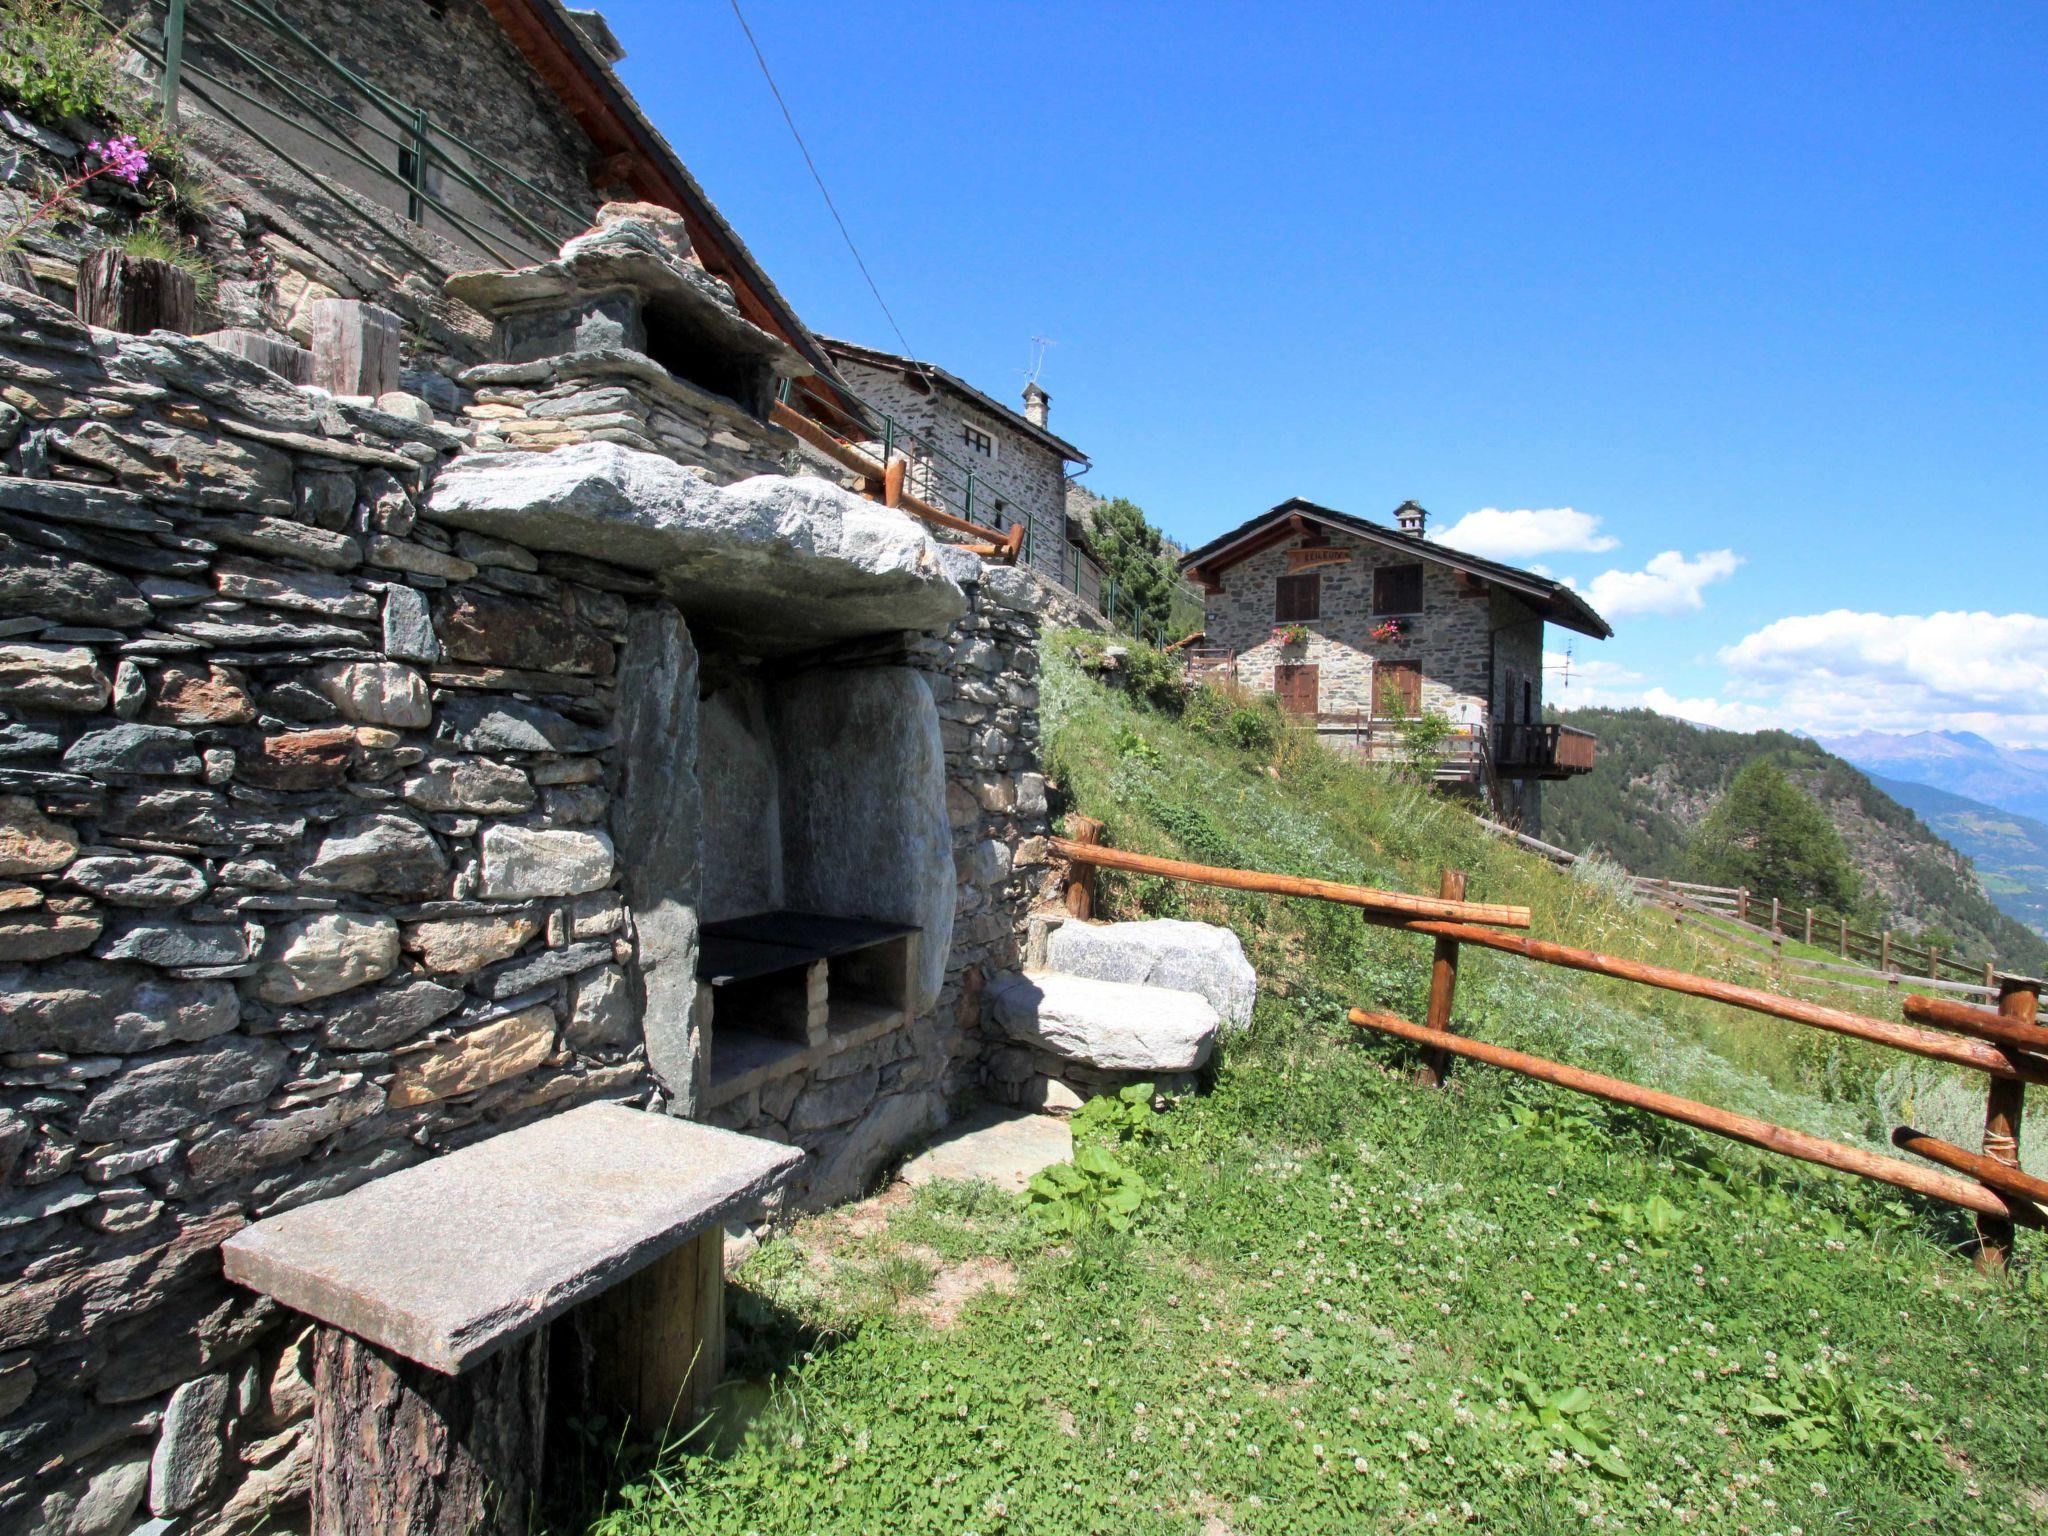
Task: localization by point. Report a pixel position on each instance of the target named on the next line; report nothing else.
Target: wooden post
(2019, 999)
(1884, 951)
(1809, 925)
(1443, 984)
(892, 483)
(1776, 928)
(1845, 938)
(399, 1446)
(1742, 905)
(1081, 877)
(1933, 962)
(354, 346)
(657, 1338)
(136, 294)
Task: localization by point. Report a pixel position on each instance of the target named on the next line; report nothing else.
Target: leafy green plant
(1096, 1189)
(1133, 747)
(57, 64)
(154, 242)
(1542, 1126)
(1121, 1117)
(1569, 1421)
(1818, 1408)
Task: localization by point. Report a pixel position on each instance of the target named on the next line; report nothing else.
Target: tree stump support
(1081, 877)
(2019, 999)
(136, 294)
(401, 1447)
(1443, 984)
(354, 346)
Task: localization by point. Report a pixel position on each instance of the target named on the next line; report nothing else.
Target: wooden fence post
(1081, 877)
(1776, 928)
(1742, 905)
(2019, 999)
(1809, 925)
(1845, 938)
(892, 483)
(1884, 951)
(1443, 984)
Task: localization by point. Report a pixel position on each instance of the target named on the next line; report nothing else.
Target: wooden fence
(2007, 1044)
(1889, 953)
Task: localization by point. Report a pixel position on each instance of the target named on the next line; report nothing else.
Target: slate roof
(875, 357)
(1553, 599)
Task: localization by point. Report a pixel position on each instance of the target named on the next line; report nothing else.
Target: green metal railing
(202, 45)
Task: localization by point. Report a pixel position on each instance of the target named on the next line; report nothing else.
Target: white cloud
(1670, 583)
(1527, 532)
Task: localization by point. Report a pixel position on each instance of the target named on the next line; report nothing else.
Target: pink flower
(121, 159)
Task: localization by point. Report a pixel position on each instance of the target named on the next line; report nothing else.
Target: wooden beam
(1443, 981)
(2005, 1179)
(872, 469)
(1743, 1128)
(1982, 1023)
(1395, 904)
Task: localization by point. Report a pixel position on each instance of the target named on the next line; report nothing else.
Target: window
(1298, 687)
(1296, 598)
(1397, 589)
(978, 441)
(1396, 688)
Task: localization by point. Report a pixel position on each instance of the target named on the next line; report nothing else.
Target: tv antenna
(1038, 346)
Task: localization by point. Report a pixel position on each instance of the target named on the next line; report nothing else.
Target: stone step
(1114, 1026)
(1161, 952)
(1002, 1145)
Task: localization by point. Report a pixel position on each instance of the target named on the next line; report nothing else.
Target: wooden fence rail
(2007, 1044)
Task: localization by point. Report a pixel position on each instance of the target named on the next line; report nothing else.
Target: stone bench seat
(449, 1260)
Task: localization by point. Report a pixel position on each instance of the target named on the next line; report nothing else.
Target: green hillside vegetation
(2009, 850)
(1765, 833)
(1320, 1298)
(1655, 780)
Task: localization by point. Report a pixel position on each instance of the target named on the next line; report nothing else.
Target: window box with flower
(1391, 629)
(1291, 636)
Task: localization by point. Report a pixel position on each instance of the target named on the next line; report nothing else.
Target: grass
(1350, 1303)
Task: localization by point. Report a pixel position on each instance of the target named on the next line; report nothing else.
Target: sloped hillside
(1656, 777)
(2010, 850)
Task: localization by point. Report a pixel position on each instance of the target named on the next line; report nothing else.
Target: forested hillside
(2009, 850)
(1656, 778)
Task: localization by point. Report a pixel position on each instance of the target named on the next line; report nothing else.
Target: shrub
(57, 64)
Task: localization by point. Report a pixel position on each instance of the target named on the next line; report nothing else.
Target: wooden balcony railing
(1542, 751)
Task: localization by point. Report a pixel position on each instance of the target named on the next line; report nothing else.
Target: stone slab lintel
(449, 1260)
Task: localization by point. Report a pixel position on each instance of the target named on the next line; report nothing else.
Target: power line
(823, 191)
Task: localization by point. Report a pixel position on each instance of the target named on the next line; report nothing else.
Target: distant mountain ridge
(1655, 777)
(2010, 850)
(1959, 762)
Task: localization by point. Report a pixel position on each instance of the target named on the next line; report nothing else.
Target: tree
(1133, 554)
(1768, 834)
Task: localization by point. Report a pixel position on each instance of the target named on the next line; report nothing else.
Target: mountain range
(1654, 778)
(1958, 762)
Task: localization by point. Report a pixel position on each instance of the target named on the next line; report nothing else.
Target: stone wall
(308, 808)
(1026, 477)
(1452, 640)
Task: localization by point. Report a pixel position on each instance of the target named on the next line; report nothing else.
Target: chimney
(1037, 404)
(1411, 518)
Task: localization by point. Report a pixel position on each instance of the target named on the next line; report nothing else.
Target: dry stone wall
(307, 871)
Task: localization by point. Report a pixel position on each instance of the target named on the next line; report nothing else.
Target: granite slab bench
(434, 1287)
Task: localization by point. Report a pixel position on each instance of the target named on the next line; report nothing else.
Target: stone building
(388, 765)
(1019, 466)
(1356, 626)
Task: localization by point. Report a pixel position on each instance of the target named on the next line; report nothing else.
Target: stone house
(390, 762)
(1355, 625)
(1020, 468)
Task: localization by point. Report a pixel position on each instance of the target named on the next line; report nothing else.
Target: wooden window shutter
(1397, 589)
(1397, 682)
(1296, 598)
(1298, 686)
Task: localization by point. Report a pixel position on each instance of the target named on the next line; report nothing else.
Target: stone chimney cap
(1037, 403)
(1411, 517)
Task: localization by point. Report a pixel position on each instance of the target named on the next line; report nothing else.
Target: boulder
(1187, 957)
(520, 862)
(327, 953)
(384, 853)
(825, 563)
(30, 842)
(1110, 1025)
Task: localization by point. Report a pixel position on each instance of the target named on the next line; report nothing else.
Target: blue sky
(1758, 293)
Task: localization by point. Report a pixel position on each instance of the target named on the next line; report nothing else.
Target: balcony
(1542, 751)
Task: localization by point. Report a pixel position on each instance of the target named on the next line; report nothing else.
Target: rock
(131, 689)
(200, 816)
(160, 751)
(71, 591)
(488, 1054)
(45, 935)
(301, 759)
(376, 1020)
(172, 945)
(826, 562)
(521, 862)
(326, 498)
(19, 740)
(30, 842)
(408, 629)
(85, 1008)
(483, 551)
(389, 854)
(512, 632)
(548, 965)
(509, 725)
(396, 402)
(469, 784)
(1187, 957)
(279, 536)
(601, 1013)
(191, 1445)
(459, 945)
(1110, 1025)
(844, 1167)
(376, 693)
(402, 555)
(238, 1151)
(106, 1505)
(186, 693)
(164, 1094)
(327, 953)
(305, 591)
(61, 677)
(849, 743)
(138, 880)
